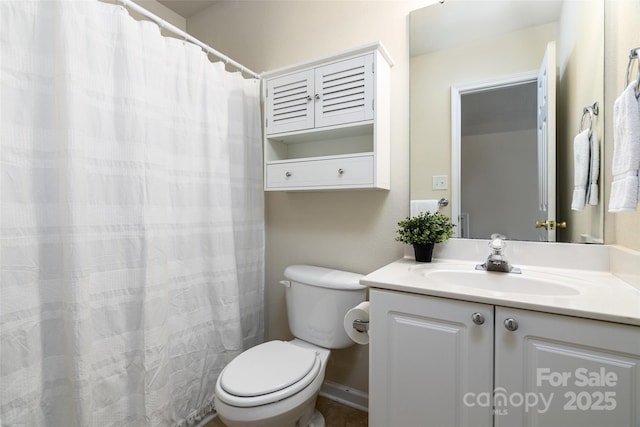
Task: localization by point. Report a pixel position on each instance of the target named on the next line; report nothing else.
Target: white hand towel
(419, 206)
(625, 188)
(594, 169)
(581, 170)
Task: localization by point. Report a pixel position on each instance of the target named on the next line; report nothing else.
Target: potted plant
(423, 232)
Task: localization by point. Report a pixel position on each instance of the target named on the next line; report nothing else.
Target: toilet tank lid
(324, 277)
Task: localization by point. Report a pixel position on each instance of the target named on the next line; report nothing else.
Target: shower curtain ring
(122, 6)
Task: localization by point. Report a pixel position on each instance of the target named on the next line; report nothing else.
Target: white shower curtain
(131, 219)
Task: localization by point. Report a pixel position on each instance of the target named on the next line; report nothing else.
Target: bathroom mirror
(466, 53)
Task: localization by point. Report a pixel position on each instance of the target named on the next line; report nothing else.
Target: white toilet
(276, 383)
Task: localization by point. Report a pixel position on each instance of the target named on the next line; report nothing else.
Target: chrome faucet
(497, 261)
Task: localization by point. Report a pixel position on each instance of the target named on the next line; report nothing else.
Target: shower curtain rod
(183, 35)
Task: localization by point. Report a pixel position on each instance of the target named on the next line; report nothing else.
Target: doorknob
(547, 224)
(551, 224)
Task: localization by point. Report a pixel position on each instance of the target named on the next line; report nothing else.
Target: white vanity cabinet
(425, 354)
(327, 123)
(571, 372)
(441, 362)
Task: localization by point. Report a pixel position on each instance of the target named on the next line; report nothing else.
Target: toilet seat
(267, 373)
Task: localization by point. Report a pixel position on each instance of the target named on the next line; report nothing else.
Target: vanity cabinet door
(429, 361)
(554, 370)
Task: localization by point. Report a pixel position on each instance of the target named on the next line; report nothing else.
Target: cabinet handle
(478, 318)
(287, 174)
(511, 324)
(340, 171)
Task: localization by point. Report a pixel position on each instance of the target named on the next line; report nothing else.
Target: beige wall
(432, 76)
(580, 63)
(621, 35)
(165, 13)
(352, 230)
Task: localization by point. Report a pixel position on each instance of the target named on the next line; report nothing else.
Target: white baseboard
(347, 396)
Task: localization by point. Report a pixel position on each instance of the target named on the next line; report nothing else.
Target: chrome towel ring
(590, 111)
(633, 55)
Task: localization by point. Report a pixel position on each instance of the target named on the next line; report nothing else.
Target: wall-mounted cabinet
(327, 123)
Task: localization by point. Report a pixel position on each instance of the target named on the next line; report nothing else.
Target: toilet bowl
(275, 384)
(285, 397)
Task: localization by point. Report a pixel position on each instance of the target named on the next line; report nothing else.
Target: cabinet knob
(478, 318)
(287, 174)
(317, 96)
(511, 324)
(309, 98)
(340, 171)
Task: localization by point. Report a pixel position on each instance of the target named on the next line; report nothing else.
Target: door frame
(456, 135)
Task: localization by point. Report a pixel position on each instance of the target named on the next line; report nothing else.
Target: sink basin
(525, 283)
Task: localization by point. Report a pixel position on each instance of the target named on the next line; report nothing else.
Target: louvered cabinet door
(289, 103)
(344, 92)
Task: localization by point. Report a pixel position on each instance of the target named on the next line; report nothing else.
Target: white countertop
(598, 294)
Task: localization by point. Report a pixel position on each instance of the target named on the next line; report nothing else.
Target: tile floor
(335, 415)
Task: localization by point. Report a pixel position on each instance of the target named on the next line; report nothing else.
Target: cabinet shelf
(321, 134)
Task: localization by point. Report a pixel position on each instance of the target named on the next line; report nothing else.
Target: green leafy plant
(427, 227)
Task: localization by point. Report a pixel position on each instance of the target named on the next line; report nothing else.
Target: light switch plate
(440, 182)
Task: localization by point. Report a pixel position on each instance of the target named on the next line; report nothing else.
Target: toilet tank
(317, 300)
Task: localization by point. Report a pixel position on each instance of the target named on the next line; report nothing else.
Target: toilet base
(305, 415)
(317, 420)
